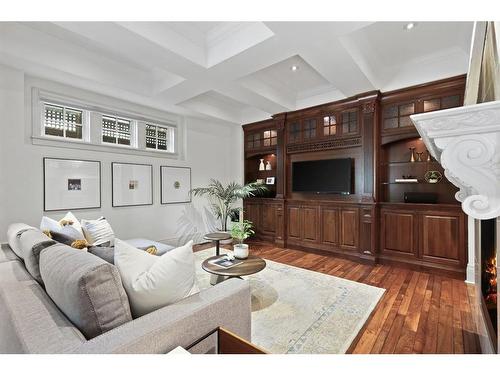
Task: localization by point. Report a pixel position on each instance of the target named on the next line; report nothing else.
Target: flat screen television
(323, 176)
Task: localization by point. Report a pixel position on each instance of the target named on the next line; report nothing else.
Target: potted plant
(223, 199)
(240, 232)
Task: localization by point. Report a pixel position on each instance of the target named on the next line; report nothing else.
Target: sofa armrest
(227, 304)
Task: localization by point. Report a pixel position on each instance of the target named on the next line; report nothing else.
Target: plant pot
(240, 251)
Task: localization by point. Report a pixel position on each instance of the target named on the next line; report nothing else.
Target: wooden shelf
(409, 183)
(410, 163)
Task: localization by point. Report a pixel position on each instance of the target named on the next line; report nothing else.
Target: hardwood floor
(419, 313)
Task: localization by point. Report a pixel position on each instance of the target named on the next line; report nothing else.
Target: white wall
(211, 150)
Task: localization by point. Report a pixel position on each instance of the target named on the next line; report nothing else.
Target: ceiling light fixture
(409, 26)
(294, 68)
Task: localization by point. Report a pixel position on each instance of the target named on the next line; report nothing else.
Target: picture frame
(131, 184)
(270, 180)
(71, 184)
(175, 184)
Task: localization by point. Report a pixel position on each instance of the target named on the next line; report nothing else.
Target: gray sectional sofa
(56, 299)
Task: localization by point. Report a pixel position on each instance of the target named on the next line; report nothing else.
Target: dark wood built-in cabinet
(372, 223)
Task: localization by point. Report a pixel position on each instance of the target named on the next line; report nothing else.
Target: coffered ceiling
(236, 72)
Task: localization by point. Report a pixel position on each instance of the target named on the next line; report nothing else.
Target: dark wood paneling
(349, 231)
(268, 218)
(252, 213)
(441, 238)
(294, 222)
(330, 224)
(310, 223)
(398, 228)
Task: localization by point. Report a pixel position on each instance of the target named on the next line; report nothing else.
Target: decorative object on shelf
(175, 184)
(419, 156)
(223, 199)
(408, 176)
(71, 184)
(429, 157)
(412, 154)
(131, 184)
(262, 167)
(433, 177)
(260, 181)
(240, 232)
(268, 166)
(270, 181)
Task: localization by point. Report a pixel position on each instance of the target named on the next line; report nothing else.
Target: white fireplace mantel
(466, 141)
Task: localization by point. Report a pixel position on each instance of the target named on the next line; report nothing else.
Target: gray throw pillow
(87, 289)
(103, 252)
(32, 243)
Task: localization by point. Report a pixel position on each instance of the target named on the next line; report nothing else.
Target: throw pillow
(98, 232)
(14, 237)
(32, 244)
(72, 231)
(151, 281)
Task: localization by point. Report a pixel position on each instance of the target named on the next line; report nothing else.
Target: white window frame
(93, 111)
(133, 131)
(170, 137)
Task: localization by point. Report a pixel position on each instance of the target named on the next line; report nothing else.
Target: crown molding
(466, 141)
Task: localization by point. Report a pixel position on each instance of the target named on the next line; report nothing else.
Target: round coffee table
(249, 266)
(217, 237)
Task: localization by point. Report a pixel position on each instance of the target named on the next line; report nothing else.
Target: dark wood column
(279, 121)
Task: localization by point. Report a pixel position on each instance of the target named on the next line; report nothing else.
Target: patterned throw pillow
(98, 232)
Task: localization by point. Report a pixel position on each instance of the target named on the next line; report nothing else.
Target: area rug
(300, 311)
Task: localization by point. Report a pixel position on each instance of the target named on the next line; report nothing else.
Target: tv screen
(322, 176)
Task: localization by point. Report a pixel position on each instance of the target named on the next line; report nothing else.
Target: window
(116, 130)
(310, 128)
(329, 125)
(60, 121)
(294, 132)
(350, 122)
(158, 137)
(253, 141)
(270, 138)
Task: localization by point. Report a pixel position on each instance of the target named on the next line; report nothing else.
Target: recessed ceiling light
(409, 26)
(294, 68)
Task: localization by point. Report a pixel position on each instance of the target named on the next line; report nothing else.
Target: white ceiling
(236, 72)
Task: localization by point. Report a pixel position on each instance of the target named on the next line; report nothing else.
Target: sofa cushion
(13, 233)
(154, 281)
(32, 244)
(29, 320)
(86, 288)
(6, 254)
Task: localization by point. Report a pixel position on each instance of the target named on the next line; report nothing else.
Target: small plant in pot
(240, 232)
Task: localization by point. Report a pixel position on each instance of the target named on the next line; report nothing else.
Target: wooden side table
(217, 237)
(230, 343)
(249, 266)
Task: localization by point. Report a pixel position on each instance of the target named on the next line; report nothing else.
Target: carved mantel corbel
(466, 141)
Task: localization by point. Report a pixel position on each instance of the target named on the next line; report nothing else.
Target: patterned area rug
(300, 311)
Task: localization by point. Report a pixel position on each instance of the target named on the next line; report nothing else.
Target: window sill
(110, 148)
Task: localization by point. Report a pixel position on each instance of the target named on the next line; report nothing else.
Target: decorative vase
(268, 166)
(429, 158)
(262, 167)
(419, 156)
(240, 251)
(412, 156)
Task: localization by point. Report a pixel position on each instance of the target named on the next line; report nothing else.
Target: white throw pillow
(98, 232)
(73, 230)
(151, 281)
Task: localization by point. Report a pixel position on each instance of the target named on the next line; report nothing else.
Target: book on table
(225, 262)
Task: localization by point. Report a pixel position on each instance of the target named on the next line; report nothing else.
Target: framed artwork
(270, 181)
(71, 184)
(175, 184)
(131, 184)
